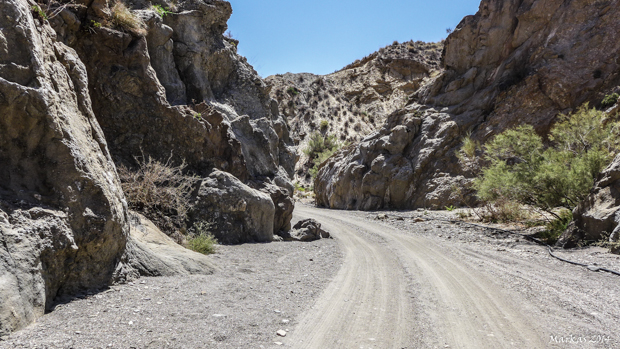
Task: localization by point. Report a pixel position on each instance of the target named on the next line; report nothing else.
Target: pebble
(281, 333)
(278, 343)
(285, 321)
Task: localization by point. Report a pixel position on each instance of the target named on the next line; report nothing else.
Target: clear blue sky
(321, 36)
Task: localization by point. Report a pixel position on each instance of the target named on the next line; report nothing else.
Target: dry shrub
(123, 17)
(159, 191)
(501, 210)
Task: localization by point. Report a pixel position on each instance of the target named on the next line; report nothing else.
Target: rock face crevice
(511, 63)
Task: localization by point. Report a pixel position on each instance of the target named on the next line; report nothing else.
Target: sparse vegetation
(555, 227)
(522, 170)
(95, 24)
(162, 11)
(607, 242)
(160, 191)
(319, 149)
(36, 9)
(123, 17)
(324, 125)
(200, 239)
(501, 210)
(610, 100)
(292, 90)
(468, 148)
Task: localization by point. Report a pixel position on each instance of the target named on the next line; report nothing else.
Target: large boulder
(597, 216)
(63, 221)
(150, 252)
(514, 62)
(283, 203)
(306, 230)
(236, 212)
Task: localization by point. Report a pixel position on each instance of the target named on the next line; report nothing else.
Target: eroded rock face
(62, 212)
(150, 252)
(514, 62)
(181, 92)
(237, 212)
(599, 214)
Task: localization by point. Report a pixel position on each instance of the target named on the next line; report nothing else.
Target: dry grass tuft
(123, 17)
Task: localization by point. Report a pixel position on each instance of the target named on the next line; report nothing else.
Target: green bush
(319, 143)
(522, 169)
(324, 124)
(292, 90)
(200, 239)
(320, 148)
(610, 100)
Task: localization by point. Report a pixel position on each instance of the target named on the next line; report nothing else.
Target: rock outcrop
(355, 101)
(513, 62)
(599, 214)
(180, 91)
(63, 222)
(306, 230)
(81, 90)
(150, 252)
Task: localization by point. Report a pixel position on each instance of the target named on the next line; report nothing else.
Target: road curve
(398, 290)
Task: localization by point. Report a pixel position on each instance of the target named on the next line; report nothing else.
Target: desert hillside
(354, 101)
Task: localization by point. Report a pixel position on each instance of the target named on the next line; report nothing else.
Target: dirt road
(416, 283)
(398, 290)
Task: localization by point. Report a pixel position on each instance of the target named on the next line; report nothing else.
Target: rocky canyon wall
(513, 62)
(63, 221)
(84, 90)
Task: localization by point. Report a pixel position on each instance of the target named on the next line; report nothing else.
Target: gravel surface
(573, 306)
(258, 290)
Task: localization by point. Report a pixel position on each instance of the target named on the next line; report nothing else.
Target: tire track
(367, 306)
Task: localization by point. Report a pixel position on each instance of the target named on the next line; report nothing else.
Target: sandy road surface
(398, 290)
